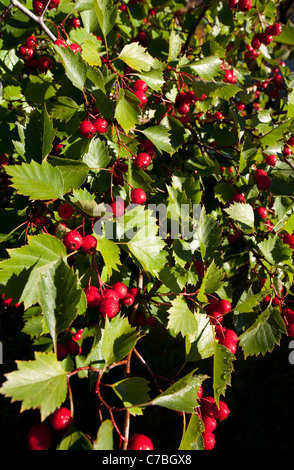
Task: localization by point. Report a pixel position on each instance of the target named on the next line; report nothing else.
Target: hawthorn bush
(147, 225)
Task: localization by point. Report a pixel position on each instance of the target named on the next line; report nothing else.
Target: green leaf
(200, 344)
(39, 384)
(181, 319)
(104, 439)
(127, 110)
(134, 393)
(137, 57)
(73, 172)
(64, 108)
(75, 66)
(212, 280)
(275, 251)
(118, 340)
(192, 435)
(160, 136)
(206, 68)
(175, 45)
(110, 253)
(97, 156)
(60, 296)
(27, 264)
(106, 14)
(90, 53)
(37, 181)
(215, 89)
(182, 395)
(222, 370)
(75, 441)
(242, 214)
(287, 34)
(209, 235)
(264, 334)
(154, 78)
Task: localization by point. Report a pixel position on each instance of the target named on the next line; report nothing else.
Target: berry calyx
(87, 129)
(73, 240)
(61, 420)
(139, 442)
(89, 244)
(138, 196)
(40, 437)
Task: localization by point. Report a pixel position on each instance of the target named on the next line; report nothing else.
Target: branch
(38, 19)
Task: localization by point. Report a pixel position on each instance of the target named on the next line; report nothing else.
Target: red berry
(276, 29)
(271, 160)
(121, 289)
(138, 196)
(289, 240)
(262, 179)
(3, 160)
(290, 330)
(262, 212)
(73, 240)
(287, 151)
(73, 347)
(209, 423)
(223, 306)
(118, 208)
(101, 125)
(256, 43)
(208, 406)
(200, 392)
(44, 64)
(128, 300)
(238, 197)
(222, 411)
(75, 47)
(208, 440)
(75, 22)
(61, 43)
(111, 294)
(230, 76)
(38, 6)
(215, 317)
(183, 108)
(87, 129)
(139, 442)
(142, 97)
(89, 244)
(93, 296)
(245, 5)
(133, 291)
(61, 419)
(291, 141)
(266, 39)
(65, 211)
(31, 42)
(140, 85)
(26, 52)
(233, 3)
(142, 38)
(61, 351)
(142, 160)
(109, 307)
(40, 437)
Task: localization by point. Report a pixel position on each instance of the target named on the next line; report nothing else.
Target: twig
(38, 19)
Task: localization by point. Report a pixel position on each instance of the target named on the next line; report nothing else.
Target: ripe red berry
(208, 440)
(271, 160)
(238, 197)
(65, 211)
(38, 6)
(101, 125)
(75, 47)
(140, 85)
(109, 307)
(73, 347)
(89, 244)
(233, 4)
(230, 76)
(45, 64)
(75, 22)
(31, 42)
(40, 437)
(73, 240)
(262, 179)
(222, 411)
(93, 296)
(215, 317)
(256, 43)
(61, 43)
(3, 160)
(265, 38)
(289, 240)
(142, 160)
(291, 141)
(118, 208)
(128, 300)
(61, 351)
(61, 420)
(87, 129)
(26, 52)
(140, 442)
(209, 423)
(121, 289)
(245, 5)
(138, 196)
(276, 29)
(223, 306)
(142, 97)
(183, 108)
(262, 212)
(287, 151)
(111, 294)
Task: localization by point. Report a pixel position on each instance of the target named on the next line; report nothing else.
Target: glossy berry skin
(140, 85)
(142, 160)
(87, 129)
(141, 96)
(208, 440)
(262, 179)
(89, 244)
(61, 420)
(93, 296)
(223, 306)
(138, 196)
(183, 108)
(289, 240)
(75, 47)
(140, 442)
(31, 41)
(223, 411)
(118, 208)
(65, 211)
(245, 5)
(109, 307)
(271, 160)
(45, 64)
(276, 29)
(73, 240)
(73, 347)
(101, 125)
(121, 289)
(40, 437)
(128, 300)
(61, 43)
(75, 22)
(210, 423)
(262, 212)
(61, 351)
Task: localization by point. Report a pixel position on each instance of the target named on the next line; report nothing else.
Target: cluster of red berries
(216, 309)
(108, 302)
(230, 76)
(73, 240)
(184, 100)
(241, 5)
(73, 46)
(41, 434)
(287, 150)
(39, 5)
(210, 412)
(5, 303)
(88, 128)
(71, 346)
(288, 316)
(144, 320)
(139, 88)
(28, 49)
